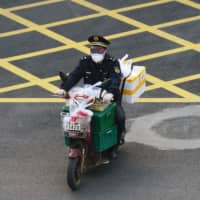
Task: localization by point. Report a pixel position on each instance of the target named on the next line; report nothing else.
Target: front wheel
(74, 173)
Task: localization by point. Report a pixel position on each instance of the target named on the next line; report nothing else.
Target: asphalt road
(160, 160)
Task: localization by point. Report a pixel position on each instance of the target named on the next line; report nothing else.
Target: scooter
(90, 130)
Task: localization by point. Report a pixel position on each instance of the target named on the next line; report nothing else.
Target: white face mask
(97, 57)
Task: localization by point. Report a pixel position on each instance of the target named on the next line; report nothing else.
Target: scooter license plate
(73, 126)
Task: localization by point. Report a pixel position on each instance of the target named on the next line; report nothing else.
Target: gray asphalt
(33, 157)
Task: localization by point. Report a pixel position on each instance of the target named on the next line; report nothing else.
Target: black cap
(97, 40)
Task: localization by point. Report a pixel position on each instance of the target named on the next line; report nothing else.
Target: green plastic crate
(66, 139)
(104, 119)
(101, 120)
(104, 139)
(104, 132)
(65, 108)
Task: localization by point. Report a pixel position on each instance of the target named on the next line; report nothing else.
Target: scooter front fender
(74, 153)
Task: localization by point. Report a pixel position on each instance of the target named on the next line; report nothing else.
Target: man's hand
(107, 98)
(61, 92)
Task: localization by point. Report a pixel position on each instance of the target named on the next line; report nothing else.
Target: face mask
(97, 57)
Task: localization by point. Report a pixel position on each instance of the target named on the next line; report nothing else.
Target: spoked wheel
(74, 173)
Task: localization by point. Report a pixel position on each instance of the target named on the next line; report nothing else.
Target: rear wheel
(74, 173)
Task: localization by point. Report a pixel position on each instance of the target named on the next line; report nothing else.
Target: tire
(74, 173)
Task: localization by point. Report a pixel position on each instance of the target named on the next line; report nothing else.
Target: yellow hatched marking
(57, 100)
(151, 30)
(50, 25)
(78, 19)
(16, 32)
(136, 59)
(171, 88)
(51, 34)
(138, 24)
(27, 84)
(118, 35)
(32, 5)
(36, 53)
(168, 100)
(27, 76)
(44, 31)
(160, 54)
(113, 36)
(143, 5)
(140, 30)
(189, 3)
(91, 16)
(72, 20)
(16, 87)
(61, 48)
(32, 100)
(176, 81)
(54, 78)
(177, 22)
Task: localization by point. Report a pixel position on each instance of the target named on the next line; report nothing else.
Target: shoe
(122, 141)
(104, 161)
(114, 153)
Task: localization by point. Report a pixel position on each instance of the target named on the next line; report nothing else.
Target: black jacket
(92, 72)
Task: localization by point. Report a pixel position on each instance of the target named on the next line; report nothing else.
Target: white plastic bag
(133, 80)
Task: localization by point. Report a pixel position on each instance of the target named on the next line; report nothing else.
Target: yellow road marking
(79, 19)
(16, 87)
(27, 76)
(51, 34)
(143, 5)
(32, 100)
(15, 32)
(43, 31)
(52, 24)
(73, 44)
(36, 53)
(136, 59)
(177, 22)
(140, 100)
(27, 84)
(118, 35)
(174, 89)
(72, 20)
(160, 54)
(168, 100)
(138, 24)
(113, 36)
(61, 48)
(189, 3)
(32, 5)
(176, 81)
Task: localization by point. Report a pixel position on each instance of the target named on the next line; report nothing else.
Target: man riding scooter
(99, 66)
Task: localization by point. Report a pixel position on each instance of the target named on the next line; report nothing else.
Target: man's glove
(107, 98)
(61, 92)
